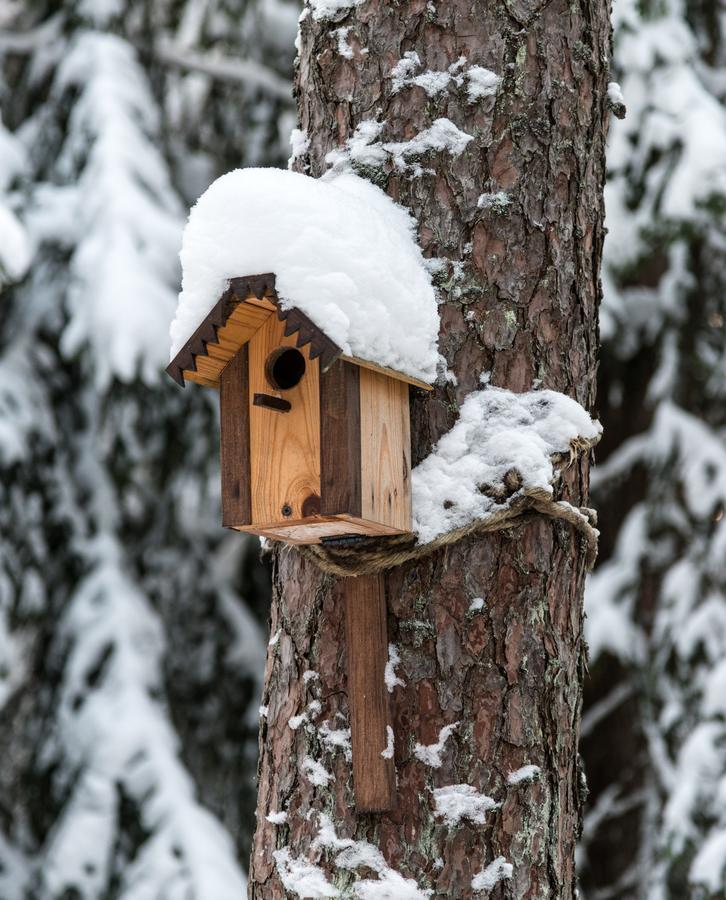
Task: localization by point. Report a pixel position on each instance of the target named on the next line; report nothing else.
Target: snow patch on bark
(430, 754)
(389, 676)
(277, 818)
(364, 148)
(480, 82)
(302, 877)
(315, 772)
(388, 752)
(336, 739)
(326, 9)
(496, 871)
(455, 802)
(526, 773)
(352, 855)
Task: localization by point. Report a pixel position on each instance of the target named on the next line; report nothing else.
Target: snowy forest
(134, 629)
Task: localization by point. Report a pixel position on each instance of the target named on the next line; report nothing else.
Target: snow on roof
(342, 252)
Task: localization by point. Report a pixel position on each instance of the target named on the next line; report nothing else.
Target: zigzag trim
(261, 287)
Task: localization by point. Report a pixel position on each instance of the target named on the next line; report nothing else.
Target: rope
(371, 555)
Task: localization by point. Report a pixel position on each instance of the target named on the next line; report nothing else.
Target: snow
(275, 638)
(336, 739)
(364, 148)
(304, 879)
(709, 865)
(441, 136)
(263, 711)
(299, 145)
(277, 818)
(498, 201)
(615, 94)
(343, 47)
(455, 802)
(498, 432)
(315, 772)
(310, 675)
(482, 83)
(352, 855)
(15, 249)
(476, 605)
(388, 752)
(342, 252)
(328, 9)
(127, 234)
(430, 754)
(389, 676)
(489, 878)
(526, 773)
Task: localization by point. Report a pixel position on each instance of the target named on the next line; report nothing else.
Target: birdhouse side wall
(385, 429)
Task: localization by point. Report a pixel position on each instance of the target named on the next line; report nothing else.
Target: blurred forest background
(133, 629)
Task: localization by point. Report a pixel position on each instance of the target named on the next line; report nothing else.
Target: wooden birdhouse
(314, 444)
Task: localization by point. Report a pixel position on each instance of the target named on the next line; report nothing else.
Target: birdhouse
(315, 445)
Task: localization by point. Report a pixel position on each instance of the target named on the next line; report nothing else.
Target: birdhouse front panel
(284, 436)
(314, 445)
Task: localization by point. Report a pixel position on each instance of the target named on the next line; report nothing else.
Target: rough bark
(519, 281)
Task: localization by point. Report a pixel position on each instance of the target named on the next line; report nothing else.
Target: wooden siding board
(235, 441)
(340, 451)
(367, 653)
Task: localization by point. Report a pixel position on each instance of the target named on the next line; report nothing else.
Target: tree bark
(519, 282)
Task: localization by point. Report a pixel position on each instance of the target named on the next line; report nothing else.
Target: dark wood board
(367, 652)
(234, 415)
(340, 437)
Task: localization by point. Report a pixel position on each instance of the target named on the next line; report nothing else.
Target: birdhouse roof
(349, 277)
(238, 314)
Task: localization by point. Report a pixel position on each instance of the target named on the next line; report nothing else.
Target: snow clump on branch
(501, 448)
(341, 250)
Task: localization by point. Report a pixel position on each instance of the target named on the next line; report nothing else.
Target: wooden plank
(235, 441)
(385, 450)
(340, 459)
(284, 447)
(367, 653)
(384, 370)
(199, 379)
(310, 530)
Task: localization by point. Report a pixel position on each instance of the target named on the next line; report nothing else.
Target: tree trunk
(515, 217)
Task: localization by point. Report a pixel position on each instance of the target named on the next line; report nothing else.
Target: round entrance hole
(285, 368)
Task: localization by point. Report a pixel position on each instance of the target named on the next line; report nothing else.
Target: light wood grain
(313, 528)
(200, 379)
(367, 653)
(385, 450)
(384, 370)
(284, 447)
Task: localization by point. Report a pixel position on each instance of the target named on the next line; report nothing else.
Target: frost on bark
(512, 222)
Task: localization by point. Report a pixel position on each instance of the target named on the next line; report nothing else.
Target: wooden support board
(367, 652)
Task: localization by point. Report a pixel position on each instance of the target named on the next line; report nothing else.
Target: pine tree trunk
(519, 277)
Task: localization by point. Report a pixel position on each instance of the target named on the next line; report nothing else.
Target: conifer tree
(653, 730)
(130, 669)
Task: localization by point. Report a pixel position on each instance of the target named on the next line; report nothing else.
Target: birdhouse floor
(313, 528)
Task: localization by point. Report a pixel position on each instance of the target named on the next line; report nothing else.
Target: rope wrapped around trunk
(370, 555)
